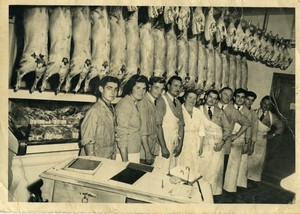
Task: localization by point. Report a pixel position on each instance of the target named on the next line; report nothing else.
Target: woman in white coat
(193, 135)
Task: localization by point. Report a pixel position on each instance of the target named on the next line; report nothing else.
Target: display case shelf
(25, 94)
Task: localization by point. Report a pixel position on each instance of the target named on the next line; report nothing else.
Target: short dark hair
(251, 94)
(212, 91)
(172, 79)
(239, 91)
(127, 89)
(103, 82)
(226, 88)
(189, 91)
(267, 97)
(156, 79)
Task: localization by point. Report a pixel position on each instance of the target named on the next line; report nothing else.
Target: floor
(280, 163)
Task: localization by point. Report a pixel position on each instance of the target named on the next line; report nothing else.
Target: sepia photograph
(136, 107)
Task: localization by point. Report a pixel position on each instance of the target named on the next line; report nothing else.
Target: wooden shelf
(25, 94)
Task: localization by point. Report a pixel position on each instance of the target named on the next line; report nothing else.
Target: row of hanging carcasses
(153, 41)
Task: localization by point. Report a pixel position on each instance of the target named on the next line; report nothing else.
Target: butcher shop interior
(59, 55)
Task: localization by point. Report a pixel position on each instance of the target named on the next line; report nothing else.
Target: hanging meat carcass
(239, 39)
(132, 8)
(160, 48)
(231, 33)
(198, 21)
(269, 49)
(254, 43)
(155, 11)
(248, 35)
(60, 33)
(262, 49)
(100, 45)
(202, 66)
(218, 67)
(197, 28)
(232, 72)
(221, 32)
(132, 45)
(244, 73)
(170, 15)
(225, 70)
(276, 53)
(280, 53)
(210, 53)
(182, 42)
(146, 49)
(238, 82)
(210, 25)
(287, 59)
(81, 57)
(35, 51)
(117, 42)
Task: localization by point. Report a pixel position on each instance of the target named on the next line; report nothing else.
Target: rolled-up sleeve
(143, 109)
(88, 127)
(226, 126)
(123, 113)
(242, 119)
(249, 129)
(254, 126)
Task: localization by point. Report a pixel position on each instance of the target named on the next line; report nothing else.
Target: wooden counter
(62, 185)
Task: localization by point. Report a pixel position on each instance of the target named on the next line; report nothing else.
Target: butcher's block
(105, 183)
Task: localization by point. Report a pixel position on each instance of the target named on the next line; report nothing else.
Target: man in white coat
(170, 124)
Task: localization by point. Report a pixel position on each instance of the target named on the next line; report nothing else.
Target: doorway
(280, 158)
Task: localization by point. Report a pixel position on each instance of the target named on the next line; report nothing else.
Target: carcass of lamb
(60, 32)
(221, 32)
(81, 57)
(225, 70)
(244, 73)
(146, 49)
(132, 45)
(198, 21)
(160, 49)
(231, 33)
(232, 72)
(238, 81)
(182, 42)
(100, 45)
(210, 25)
(210, 52)
(218, 68)
(170, 14)
(35, 51)
(202, 66)
(117, 42)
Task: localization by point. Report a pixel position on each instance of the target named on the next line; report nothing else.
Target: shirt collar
(151, 98)
(236, 106)
(211, 107)
(220, 105)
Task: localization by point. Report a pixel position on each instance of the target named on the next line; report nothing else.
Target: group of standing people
(223, 140)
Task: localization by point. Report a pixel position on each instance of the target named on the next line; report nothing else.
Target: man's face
(239, 99)
(109, 92)
(175, 88)
(249, 101)
(211, 99)
(266, 104)
(226, 96)
(156, 89)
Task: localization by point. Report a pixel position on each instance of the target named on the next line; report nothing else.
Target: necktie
(209, 112)
(222, 107)
(262, 116)
(174, 102)
(238, 108)
(155, 102)
(111, 108)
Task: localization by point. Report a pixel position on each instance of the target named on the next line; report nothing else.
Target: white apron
(211, 162)
(257, 159)
(234, 161)
(189, 155)
(170, 129)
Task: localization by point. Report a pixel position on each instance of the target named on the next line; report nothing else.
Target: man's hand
(200, 151)
(251, 149)
(233, 137)
(177, 150)
(219, 146)
(245, 149)
(149, 159)
(165, 152)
